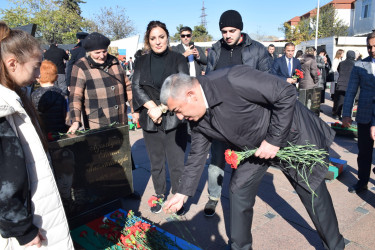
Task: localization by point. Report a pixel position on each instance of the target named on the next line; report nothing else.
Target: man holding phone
(194, 55)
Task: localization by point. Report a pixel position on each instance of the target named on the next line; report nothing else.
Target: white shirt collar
(204, 97)
(185, 47)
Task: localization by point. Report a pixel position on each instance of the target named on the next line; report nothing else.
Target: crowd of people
(176, 94)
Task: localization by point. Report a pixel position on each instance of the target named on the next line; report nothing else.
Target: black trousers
(365, 148)
(242, 201)
(168, 146)
(338, 102)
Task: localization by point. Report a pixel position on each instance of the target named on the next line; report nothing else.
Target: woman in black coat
(344, 69)
(165, 135)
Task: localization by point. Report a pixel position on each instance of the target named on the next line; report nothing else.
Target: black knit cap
(95, 41)
(81, 35)
(231, 18)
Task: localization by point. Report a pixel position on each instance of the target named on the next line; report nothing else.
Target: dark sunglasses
(188, 35)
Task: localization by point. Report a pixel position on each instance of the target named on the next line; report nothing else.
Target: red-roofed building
(344, 8)
(359, 15)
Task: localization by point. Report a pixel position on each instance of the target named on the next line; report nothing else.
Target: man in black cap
(57, 56)
(76, 53)
(234, 48)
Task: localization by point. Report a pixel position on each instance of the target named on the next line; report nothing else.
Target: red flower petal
(83, 234)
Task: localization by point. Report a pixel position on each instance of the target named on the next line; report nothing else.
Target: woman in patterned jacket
(99, 87)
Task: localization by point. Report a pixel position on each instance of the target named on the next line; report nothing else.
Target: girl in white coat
(31, 211)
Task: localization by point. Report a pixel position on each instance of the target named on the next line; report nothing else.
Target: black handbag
(330, 77)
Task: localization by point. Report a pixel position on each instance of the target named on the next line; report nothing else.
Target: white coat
(47, 208)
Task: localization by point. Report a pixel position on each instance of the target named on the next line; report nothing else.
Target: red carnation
(231, 158)
(228, 157)
(298, 74)
(153, 201)
(83, 234)
(234, 160)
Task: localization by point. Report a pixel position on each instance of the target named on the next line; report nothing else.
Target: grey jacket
(310, 72)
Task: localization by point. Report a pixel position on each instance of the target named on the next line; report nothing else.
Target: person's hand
(188, 51)
(154, 113)
(158, 121)
(135, 117)
(174, 204)
(37, 241)
(195, 52)
(291, 80)
(346, 122)
(372, 132)
(266, 150)
(73, 128)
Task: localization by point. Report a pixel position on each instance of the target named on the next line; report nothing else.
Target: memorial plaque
(92, 169)
(311, 99)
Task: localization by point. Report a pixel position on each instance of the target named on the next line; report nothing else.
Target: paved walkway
(280, 220)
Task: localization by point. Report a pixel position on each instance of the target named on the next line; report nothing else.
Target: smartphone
(191, 43)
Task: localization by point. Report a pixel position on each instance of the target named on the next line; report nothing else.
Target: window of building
(366, 7)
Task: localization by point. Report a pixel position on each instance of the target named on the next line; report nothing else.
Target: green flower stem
(302, 158)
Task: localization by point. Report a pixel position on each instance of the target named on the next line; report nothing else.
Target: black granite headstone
(30, 28)
(92, 169)
(311, 99)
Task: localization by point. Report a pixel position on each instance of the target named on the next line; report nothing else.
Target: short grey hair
(174, 87)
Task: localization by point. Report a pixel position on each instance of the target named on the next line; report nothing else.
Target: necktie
(289, 67)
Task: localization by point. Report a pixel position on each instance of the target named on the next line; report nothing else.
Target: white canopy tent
(126, 46)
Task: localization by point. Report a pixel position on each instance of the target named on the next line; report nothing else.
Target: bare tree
(113, 23)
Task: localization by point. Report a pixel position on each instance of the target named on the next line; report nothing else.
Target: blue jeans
(216, 169)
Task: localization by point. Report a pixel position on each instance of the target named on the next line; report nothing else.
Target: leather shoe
(357, 189)
(209, 209)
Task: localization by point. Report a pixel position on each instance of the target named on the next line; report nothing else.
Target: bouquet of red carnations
(302, 158)
(298, 74)
(129, 232)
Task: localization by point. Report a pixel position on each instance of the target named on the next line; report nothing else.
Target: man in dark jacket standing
(362, 79)
(76, 53)
(251, 109)
(345, 68)
(233, 49)
(57, 56)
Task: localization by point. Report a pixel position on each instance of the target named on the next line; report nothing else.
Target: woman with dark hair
(165, 135)
(299, 54)
(31, 211)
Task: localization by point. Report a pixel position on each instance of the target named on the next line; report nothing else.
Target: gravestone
(92, 169)
(311, 99)
(30, 28)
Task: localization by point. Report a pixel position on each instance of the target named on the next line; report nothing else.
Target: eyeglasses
(188, 35)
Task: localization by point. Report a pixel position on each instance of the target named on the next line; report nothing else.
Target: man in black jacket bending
(233, 49)
(250, 109)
